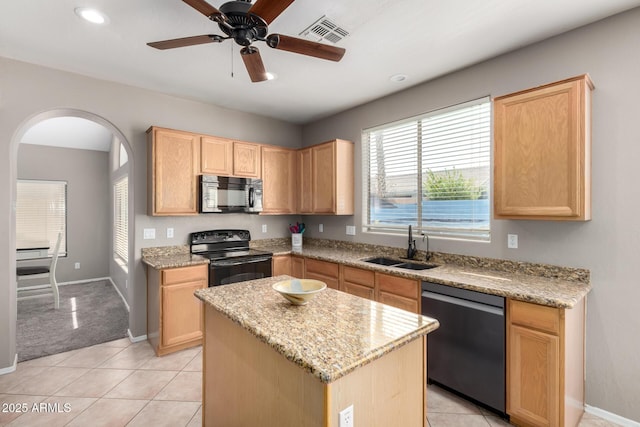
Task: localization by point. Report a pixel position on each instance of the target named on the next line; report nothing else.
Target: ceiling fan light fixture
(92, 15)
(271, 76)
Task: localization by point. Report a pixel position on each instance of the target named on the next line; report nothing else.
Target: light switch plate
(264, 228)
(351, 230)
(149, 233)
(321, 228)
(169, 233)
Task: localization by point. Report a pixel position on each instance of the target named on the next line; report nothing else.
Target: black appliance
(467, 352)
(230, 258)
(225, 194)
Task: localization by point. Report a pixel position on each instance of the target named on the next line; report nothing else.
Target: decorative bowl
(299, 291)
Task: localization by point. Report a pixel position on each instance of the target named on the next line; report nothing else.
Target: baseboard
(74, 282)
(12, 368)
(136, 339)
(625, 422)
(121, 296)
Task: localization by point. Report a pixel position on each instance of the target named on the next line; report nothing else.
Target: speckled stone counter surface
(334, 334)
(171, 257)
(548, 285)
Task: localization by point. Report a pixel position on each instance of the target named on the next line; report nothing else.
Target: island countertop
(334, 334)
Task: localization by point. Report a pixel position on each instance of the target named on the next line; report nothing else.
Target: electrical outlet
(169, 233)
(321, 228)
(351, 230)
(346, 417)
(512, 241)
(126, 283)
(264, 228)
(77, 266)
(149, 233)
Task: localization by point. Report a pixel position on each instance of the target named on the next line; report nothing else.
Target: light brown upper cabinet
(222, 156)
(279, 180)
(325, 183)
(542, 163)
(172, 166)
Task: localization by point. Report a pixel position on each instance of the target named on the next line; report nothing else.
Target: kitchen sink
(383, 261)
(414, 266)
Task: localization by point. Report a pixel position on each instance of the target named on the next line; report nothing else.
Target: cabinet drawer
(398, 301)
(359, 276)
(359, 290)
(332, 282)
(322, 267)
(184, 274)
(535, 316)
(398, 285)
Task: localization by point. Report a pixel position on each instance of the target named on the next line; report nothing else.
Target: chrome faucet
(411, 249)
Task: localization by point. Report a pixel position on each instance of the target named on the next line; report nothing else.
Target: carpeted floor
(89, 314)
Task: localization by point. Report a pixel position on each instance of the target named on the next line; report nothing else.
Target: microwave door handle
(251, 196)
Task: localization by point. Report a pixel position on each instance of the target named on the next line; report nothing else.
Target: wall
(609, 244)
(27, 91)
(88, 227)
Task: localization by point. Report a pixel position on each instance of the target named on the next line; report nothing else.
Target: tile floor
(119, 383)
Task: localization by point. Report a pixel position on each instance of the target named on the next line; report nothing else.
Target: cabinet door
(542, 152)
(324, 178)
(328, 272)
(246, 159)
(173, 172)
(181, 313)
(305, 181)
(281, 264)
(533, 386)
(399, 292)
(216, 156)
(297, 267)
(279, 180)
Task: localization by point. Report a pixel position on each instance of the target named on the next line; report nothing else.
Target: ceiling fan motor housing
(243, 27)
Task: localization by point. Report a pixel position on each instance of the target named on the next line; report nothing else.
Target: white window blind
(121, 220)
(432, 172)
(41, 212)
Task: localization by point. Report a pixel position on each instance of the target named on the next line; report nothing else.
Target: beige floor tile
(90, 357)
(95, 383)
(52, 360)
(441, 401)
(122, 343)
(48, 381)
(142, 385)
(171, 362)
(22, 373)
(196, 421)
(195, 364)
(186, 386)
(593, 421)
(495, 421)
(58, 411)
(457, 420)
(14, 405)
(109, 412)
(131, 357)
(168, 414)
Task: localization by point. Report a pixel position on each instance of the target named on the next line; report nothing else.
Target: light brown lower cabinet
(398, 292)
(328, 272)
(174, 314)
(359, 282)
(297, 266)
(545, 364)
(281, 264)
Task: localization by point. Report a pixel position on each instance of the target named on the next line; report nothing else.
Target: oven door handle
(232, 264)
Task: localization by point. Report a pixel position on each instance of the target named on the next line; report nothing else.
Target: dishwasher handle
(498, 311)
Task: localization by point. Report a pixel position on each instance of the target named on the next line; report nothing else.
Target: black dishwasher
(467, 353)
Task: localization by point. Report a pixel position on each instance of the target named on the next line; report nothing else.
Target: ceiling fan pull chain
(231, 60)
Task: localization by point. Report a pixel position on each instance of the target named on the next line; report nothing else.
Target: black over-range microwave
(225, 194)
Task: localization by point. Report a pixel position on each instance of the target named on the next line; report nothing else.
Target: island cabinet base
(248, 383)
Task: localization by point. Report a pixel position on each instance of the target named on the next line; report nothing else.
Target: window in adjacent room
(431, 172)
(41, 212)
(121, 221)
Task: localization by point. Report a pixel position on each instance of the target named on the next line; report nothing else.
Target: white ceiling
(420, 38)
(69, 132)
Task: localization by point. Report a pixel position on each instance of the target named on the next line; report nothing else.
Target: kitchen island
(267, 362)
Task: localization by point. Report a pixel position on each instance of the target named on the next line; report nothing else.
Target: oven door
(231, 271)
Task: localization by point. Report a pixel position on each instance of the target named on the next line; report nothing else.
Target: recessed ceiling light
(92, 15)
(397, 78)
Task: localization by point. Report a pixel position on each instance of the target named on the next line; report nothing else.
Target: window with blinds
(41, 213)
(121, 220)
(431, 172)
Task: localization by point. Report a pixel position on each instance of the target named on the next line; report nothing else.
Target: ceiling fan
(246, 23)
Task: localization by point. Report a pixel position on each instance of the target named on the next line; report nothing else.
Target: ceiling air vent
(324, 29)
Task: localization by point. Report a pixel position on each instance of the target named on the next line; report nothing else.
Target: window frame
(121, 258)
(480, 217)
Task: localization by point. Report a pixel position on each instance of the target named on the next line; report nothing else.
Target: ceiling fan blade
(269, 9)
(305, 47)
(253, 62)
(186, 41)
(206, 9)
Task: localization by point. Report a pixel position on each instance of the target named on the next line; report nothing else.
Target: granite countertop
(171, 257)
(334, 334)
(541, 284)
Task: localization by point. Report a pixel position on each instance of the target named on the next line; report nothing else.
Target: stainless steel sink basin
(383, 261)
(414, 266)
